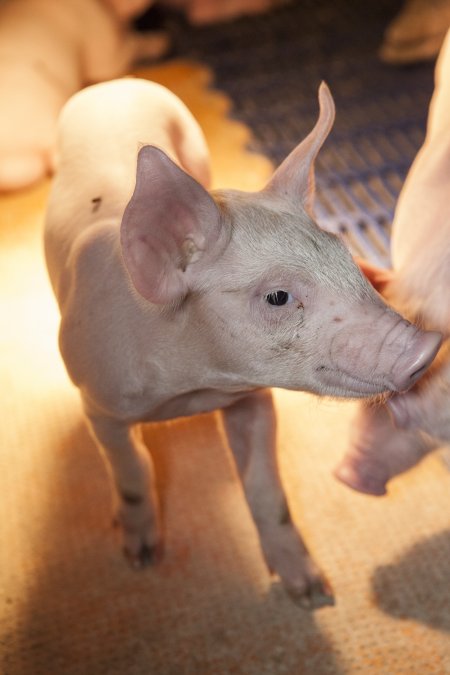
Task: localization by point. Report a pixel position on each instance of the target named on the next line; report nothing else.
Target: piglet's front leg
(137, 511)
(251, 429)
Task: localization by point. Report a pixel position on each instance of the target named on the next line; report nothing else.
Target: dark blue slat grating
(271, 67)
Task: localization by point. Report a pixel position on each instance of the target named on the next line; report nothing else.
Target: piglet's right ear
(170, 223)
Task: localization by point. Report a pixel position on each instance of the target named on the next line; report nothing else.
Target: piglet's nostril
(418, 373)
(420, 357)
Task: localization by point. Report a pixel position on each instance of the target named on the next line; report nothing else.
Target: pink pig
(176, 301)
(419, 286)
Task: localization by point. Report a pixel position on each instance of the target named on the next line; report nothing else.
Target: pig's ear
(168, 224)
(294, 178)
(379, 277)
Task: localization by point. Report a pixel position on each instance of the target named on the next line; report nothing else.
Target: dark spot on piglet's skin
(337, 319)
(96, 201)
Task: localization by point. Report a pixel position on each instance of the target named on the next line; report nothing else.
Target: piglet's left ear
(169, 223)
(294, 178)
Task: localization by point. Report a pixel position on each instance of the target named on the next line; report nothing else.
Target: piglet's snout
(383, 349)
(417, 356)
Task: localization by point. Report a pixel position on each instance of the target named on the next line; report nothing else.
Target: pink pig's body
(175, 301)
(418, 286)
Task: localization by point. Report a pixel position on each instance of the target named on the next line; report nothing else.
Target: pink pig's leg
(250, 426)
(136, 500)
(379, 451)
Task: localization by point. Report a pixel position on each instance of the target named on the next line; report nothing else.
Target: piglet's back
(102, 128)
(100, 132)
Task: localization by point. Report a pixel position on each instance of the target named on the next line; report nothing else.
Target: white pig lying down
(49, 50)
(176, 301)
(419, 287)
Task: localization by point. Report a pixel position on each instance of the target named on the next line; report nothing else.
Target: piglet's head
(276, 300)
(172, 222)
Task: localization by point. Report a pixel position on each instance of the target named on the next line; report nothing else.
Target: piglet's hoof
(146, 556)
(308, 588)
(140, 550)
(316, 594)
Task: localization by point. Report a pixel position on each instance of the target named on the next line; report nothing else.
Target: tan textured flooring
(68, 602)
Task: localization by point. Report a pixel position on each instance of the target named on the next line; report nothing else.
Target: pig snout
(414, 361)
(387, 354)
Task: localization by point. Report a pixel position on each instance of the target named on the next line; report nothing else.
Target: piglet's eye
(278, 298)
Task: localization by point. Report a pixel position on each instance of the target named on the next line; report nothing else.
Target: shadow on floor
(207, 608)
(417, 585)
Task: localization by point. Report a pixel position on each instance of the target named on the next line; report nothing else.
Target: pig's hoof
(145, 556)
(316, 594)
(305, 584)
(137, 519)
(141, 547)
(360, 479)
(287, 556)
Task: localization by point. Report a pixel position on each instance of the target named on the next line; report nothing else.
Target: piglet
(419, 286)
(176, 301)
